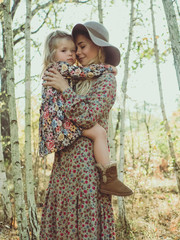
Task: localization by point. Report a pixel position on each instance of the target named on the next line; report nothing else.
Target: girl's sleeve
(80, 73)
(85, 111)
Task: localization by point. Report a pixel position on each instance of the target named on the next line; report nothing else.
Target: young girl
(56, 131)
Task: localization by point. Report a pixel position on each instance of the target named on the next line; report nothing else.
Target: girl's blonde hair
(50, 46)
(82, 87)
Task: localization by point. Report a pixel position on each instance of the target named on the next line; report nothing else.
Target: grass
(153, 211)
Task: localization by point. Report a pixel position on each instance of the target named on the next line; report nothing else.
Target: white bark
(174, 34)
(15, 156)
(4, 192)
(28, 156)
(111, 136)
(132, 140)
(166, 124)
(123, 110)
(147, 124)
(100, 11)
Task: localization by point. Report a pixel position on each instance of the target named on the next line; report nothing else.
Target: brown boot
(109, 183)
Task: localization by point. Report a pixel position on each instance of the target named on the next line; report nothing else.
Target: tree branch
(14, 8)
(19, 39)
(41, 24)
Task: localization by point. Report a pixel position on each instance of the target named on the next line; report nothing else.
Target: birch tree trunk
(147, 123)
(28, 156)
(122, 121)
(174, 34)
(137, 131)
(111, 137)
(5, 124)
(166, 124)
(15, 156)
(116, 133)
(4, 187)
(132, 140)
(100, 11)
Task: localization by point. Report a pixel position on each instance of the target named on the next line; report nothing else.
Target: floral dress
(74, 208)
(56, 131)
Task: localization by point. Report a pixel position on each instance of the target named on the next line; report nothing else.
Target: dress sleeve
(82, 73)
(85, 111)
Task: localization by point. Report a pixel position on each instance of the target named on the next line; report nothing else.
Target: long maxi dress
(74, 208)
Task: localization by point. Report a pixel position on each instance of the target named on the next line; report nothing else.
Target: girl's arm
(80, 73)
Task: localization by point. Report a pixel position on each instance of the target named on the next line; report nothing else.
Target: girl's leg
(109, 182)
(98, 135)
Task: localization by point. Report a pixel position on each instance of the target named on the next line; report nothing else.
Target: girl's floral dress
(56, 131)
(74, 208)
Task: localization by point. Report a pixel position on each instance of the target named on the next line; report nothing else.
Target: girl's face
(66, 51)
(86, 50)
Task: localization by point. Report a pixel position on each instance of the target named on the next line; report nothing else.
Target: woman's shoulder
(106, 82)
(107, 78)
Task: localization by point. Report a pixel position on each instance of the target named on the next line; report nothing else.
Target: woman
(74, 208)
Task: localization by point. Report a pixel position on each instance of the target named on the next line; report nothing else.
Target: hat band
(97, 34)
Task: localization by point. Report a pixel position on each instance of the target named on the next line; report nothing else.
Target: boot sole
(120, 194)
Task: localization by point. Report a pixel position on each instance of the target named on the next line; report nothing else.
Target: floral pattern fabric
(74, 208)
(55, 130)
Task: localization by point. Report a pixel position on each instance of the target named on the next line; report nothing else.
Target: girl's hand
(114, 70)
(54, 79)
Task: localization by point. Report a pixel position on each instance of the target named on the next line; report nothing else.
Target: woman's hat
(99, 36)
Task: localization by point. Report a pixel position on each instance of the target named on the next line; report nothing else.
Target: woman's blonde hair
(82, 87)
(50, 46)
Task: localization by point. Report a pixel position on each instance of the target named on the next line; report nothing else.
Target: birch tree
(28, 156)
(174, 34)
(131, 148)
(4, 186)
(146, 120)
(138, 128)
(166, 123)
(100, 11)
(122, 119)
(15, 156)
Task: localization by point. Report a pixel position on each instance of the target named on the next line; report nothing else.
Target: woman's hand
(54, 79)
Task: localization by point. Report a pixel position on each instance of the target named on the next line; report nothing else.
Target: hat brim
(112, 53)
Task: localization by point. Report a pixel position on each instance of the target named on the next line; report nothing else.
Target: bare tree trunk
(166, 124)
(132, 140)
(5, 123)
(174, 34)
(116, 130)
(28, 156)
(100, 11)
(146, 122)
(111, 136)
(15, 156)
(122, 121)
(4, 192)
(137, 133)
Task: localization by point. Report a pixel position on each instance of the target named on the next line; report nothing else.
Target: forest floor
(153, 212)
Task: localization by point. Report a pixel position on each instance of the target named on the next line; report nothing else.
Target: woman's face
(86, 50)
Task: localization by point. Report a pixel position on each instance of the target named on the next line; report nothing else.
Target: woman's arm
(85, 111)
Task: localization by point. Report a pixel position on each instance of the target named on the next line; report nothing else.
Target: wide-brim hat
(99, 36)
